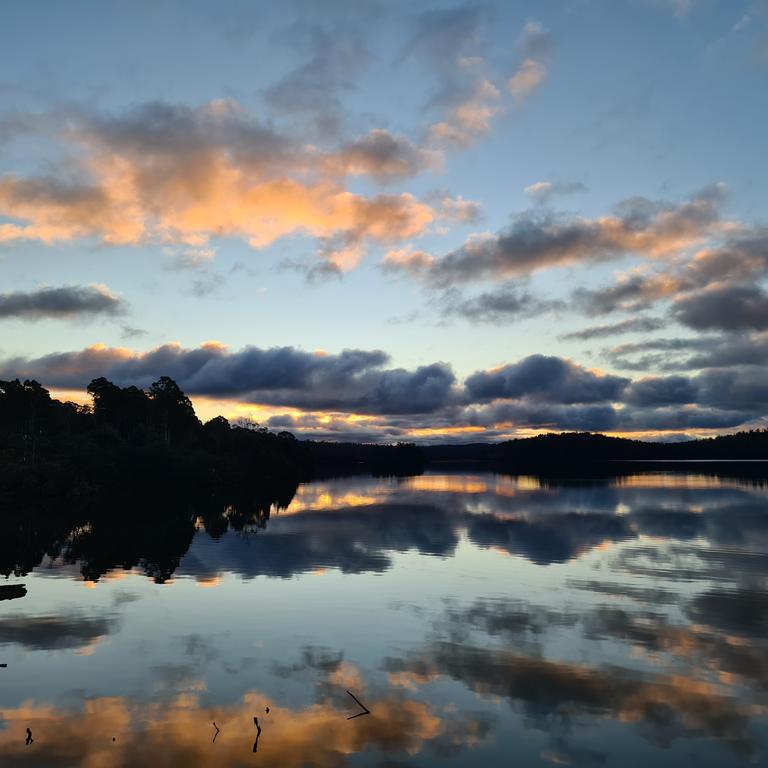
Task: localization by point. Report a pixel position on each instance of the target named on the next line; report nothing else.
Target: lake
(481, 619)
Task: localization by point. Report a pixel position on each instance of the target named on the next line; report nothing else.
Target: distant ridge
(587, 447)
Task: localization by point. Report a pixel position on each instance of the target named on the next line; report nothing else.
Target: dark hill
(585, 447)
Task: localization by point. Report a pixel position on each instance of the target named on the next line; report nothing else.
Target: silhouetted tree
(175, 414)
(25, 411)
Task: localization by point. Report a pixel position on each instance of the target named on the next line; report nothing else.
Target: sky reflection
(480, 618)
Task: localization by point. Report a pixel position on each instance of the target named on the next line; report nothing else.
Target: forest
(151, 441)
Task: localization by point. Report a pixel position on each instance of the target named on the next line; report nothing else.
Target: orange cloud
(471, 118)
(527, 79)
(183, 176)
(113, 731)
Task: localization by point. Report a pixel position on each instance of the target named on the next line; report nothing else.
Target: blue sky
(458, 186)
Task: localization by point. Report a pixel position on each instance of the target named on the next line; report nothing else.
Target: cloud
(558, 691)
(540, 239)
(131, 332)
(65, 302)
(655, 391)
(535, 41)
(192, 258)
(352, 395)
(456, 209)
(647, 355)
(337, 56)
(726, 307)
(407, 258)
(384, 156)
(503, 305)
(682, 420)
(633, 325)
(441, 35)
(452, 42)
(738, 612)
(470, 117)
(535, 45)
(206, 285)
(725, 352)
(547, 379)
(543, 191)
(529, 412)
(178, 175)
(54, 632)
(316, 734)
(743, 387)
(742, 256)
(690, 353)
(353, 380)
(718, 397)
(530, 75)
(332, 534)
(631, 293)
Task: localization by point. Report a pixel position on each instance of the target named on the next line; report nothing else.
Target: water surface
(482, 619)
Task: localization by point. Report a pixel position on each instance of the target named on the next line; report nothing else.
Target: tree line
(151, 438)
(577, 449)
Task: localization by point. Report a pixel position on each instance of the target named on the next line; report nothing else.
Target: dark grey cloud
(443, 35)
(510, 619)
(384, 156)
(186, 140)
(724, 307)
(704, 639)
(556, 692)
(631, 294)
(205, 285)
(336, 56)
(741, 256)
(722, 398)
(633, 325)
(551, 538)
(537, 392)
(729, 351)
(353, 380)
(64, 302)
(675, 354)
(49, 190)
(744, 387)
(54, 632)
(661, 354)
(452, 43)
(735, 612)
(549, 379)
(351, 539)
(504, 304)
(314, 658)
(741, 259)
(541, 239)
(132, 332)
(676, 418)
(181, 134)
(661, 390)
(527, 413)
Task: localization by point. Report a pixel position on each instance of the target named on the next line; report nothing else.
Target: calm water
(482, 619)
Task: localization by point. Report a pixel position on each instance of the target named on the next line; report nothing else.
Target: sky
(393, 220)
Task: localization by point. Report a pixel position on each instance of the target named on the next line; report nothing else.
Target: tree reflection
(150, 532)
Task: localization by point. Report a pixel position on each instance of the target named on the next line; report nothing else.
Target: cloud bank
(354, 395)
(64, 302)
